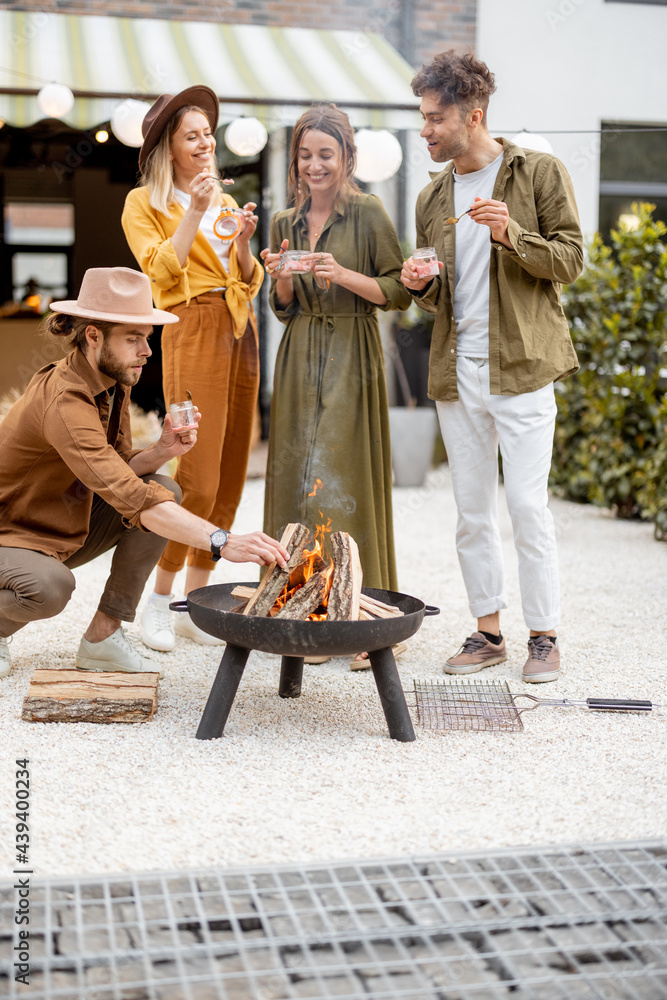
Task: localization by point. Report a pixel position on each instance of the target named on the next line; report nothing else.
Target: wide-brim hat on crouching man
(114, 295)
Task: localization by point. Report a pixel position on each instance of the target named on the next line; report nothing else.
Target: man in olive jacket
(500, 341)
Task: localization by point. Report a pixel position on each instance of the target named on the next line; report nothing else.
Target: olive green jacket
(529, 339)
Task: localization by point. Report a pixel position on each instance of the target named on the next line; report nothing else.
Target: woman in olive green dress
(329, 447)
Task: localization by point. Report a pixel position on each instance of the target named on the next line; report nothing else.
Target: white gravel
(317, 778)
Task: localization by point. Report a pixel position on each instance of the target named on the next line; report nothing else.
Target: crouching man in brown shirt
(72, 486)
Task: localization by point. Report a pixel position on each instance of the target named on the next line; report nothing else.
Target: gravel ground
(317, 778)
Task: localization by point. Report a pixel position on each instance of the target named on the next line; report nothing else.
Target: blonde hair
(334, 122)
(158, 175)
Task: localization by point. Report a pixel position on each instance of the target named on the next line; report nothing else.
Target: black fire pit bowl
(211, 608)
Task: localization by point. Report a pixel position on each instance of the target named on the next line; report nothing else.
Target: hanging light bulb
(101, 135)
(126, 121)
(246, 136)
(531, 140)
(379, 155)
(55, 100)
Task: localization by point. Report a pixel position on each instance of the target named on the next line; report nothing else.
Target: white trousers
(473, 428)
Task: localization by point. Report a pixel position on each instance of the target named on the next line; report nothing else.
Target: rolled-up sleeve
(72, 427)
(556, 252)
(153, 250)
(387, 259)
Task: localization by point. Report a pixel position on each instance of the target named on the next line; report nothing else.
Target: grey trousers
(34, 586)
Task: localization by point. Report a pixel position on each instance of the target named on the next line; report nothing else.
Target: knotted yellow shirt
(148, 233)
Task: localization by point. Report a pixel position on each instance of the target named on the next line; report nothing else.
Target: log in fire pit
(216, 610)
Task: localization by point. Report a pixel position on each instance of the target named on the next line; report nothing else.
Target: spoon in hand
(451, 221)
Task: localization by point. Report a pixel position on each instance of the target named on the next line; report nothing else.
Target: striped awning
(265, 71)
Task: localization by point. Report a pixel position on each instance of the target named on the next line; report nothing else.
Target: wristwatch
(218, 542)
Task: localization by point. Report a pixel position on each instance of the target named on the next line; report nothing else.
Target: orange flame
(316, 487)
(313, 562)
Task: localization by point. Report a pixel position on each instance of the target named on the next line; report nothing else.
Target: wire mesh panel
(478, 705)
(580, 923)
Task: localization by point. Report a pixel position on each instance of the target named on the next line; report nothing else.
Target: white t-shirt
(473, 253)
(206, 226)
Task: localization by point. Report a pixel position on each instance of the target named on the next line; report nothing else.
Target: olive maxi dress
(329, 413)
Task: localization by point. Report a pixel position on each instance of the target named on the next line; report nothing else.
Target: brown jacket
(59, 444)
(529, 338)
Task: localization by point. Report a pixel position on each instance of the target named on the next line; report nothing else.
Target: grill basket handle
(178, 606)
(618, 705)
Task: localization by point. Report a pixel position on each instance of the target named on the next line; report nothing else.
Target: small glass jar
(291, 260)
(229, 224)
(182, 414)
(426, 261)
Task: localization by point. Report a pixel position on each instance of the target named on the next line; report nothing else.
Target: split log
(370, 608)
(306, 599)
(295, 538)
(379, 609)
(345, 590)
(75, 696)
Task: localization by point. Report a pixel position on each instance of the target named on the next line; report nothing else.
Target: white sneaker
(5, 658)
(185, 626)
(117, 652)
(157, 623)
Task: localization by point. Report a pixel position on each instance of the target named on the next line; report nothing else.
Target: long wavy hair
(158, 175)
(330, 119)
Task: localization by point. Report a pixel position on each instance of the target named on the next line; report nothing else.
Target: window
(633, 167)
(38, 241)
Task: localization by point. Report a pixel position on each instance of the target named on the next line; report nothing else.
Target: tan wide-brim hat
(115, 295)
(155, 120)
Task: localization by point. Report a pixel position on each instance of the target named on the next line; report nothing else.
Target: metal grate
(479, 705)
(577, 923)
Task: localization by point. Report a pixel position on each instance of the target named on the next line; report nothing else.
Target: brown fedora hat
(114, 295)
(166, 106)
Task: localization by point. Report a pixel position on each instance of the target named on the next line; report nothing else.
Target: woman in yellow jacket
(212, 352)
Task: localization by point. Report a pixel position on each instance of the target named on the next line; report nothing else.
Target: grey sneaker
(5, 658)
(117, 652)
(543, 663)
(157, 623)
(475, 653)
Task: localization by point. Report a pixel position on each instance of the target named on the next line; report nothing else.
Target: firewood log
(346, 584)
(74, 696)
(306, 599)
(295, 539)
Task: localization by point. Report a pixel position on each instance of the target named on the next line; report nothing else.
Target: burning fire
(316, 560)
(316, 487)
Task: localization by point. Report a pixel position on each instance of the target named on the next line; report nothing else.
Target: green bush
(611, 434)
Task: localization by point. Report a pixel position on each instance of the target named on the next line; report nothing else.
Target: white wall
(570, 64)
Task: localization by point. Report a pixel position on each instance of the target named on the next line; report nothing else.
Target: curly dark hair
(457, 78)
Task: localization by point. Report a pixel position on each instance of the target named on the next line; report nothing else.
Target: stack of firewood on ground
(309, 587)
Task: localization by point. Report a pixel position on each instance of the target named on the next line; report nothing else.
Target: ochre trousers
(200, 354)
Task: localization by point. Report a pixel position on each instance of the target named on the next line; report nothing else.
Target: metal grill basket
(490, 706)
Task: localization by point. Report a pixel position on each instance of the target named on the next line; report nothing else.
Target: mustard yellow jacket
(148, 233)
